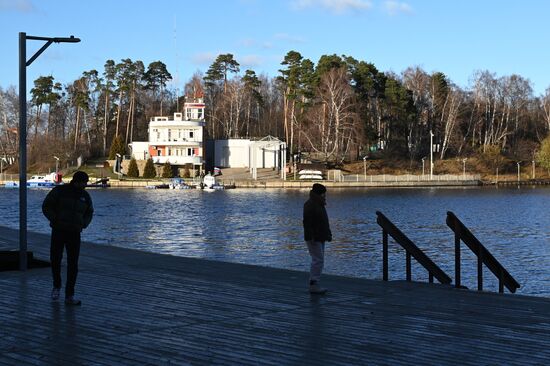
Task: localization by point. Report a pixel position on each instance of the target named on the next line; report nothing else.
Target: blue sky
(456, 37)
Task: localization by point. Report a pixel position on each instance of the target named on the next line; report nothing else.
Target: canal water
(263, 227)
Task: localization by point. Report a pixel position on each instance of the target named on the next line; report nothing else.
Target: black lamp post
(23, 63)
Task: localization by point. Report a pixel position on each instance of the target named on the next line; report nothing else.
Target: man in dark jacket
(69, 209)
(316, 233)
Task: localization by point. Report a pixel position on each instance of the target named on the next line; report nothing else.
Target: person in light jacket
(69, 209)
(316, 233)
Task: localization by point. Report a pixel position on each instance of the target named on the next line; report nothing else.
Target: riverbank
(149, 309)
(389, 181)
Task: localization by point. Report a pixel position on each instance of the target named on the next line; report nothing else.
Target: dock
(142, 308)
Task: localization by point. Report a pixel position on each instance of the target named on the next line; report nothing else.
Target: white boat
(178, 183)
(39, 181)
(209, 183)
(311, 176)
(310, 172)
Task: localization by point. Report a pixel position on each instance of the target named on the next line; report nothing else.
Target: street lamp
(424, 158)
(56, 164)
(431, 155)
(365, 166)
(464, 167)
(533, 162)
(23, 63)
(518, 163)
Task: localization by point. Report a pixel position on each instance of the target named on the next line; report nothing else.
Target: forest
(337, 110)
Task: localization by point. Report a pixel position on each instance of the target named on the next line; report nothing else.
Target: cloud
(250, 60)
(334, 6)
(288, 38)
(204, 58)
(396, 7)
(20, 6)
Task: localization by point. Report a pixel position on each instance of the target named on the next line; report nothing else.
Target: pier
(142, 308)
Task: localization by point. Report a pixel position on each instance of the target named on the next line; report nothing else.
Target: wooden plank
(149, 309)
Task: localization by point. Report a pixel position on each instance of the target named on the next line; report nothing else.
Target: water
(263, 227)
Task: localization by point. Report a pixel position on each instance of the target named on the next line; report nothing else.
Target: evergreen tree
(167, 170)
(149, 170)
(117, 147)
(133, 170)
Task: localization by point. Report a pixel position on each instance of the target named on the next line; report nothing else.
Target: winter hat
(318, 189)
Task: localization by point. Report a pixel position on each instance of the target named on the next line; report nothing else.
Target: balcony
(178, 160)
(177, 142)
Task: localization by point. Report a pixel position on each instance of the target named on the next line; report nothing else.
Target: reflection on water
(263, 227)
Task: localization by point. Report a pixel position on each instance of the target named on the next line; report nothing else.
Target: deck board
(150, 309)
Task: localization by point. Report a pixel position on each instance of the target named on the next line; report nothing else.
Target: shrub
(167, 171)
(149, 170)
(133, 170)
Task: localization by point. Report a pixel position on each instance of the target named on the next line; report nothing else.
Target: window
(189, 152)
(199, 113)
(169, 134)
(191, 134)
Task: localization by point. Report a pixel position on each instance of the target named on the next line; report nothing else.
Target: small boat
(311, 176)
(39, 181)
(158, 186)
(178, 183)
(99, 183)
(209, 183)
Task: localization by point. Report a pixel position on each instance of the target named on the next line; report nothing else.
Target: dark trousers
(65, 239)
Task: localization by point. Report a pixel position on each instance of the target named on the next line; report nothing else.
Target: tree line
(339, 109)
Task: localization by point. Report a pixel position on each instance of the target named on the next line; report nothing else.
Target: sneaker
(55, 294)
(70, 300)
(316, 289)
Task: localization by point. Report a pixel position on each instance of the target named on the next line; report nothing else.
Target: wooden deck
(148, 309)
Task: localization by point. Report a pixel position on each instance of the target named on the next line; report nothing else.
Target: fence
(401, 178)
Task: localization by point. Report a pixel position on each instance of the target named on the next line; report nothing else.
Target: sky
(456, 37)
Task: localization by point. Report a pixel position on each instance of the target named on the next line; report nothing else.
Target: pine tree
(133, 170)
(149, 170)
(167, 170)
(117, 147)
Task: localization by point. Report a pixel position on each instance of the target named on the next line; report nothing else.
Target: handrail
(483, 257)
(389, 228)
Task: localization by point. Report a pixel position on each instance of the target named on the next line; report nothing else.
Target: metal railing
(462, 233)
(388, 228)
(403, 178)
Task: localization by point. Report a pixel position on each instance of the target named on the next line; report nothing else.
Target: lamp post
(518, 163)
(56, 164)
(423, 159)
(23, 63)
(431, 155)
(464, 168)
(533, 162)
(365, 166)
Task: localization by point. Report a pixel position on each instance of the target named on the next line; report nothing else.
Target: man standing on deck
(316, 233)
(69, 209)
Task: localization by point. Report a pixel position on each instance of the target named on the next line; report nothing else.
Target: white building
(269, 152)
(178, 141)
